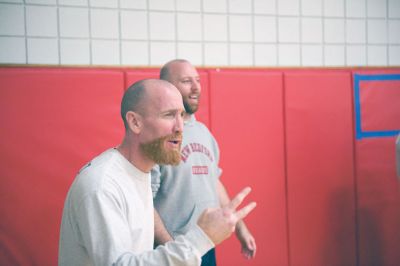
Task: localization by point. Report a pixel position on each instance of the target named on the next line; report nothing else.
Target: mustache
(174, 136)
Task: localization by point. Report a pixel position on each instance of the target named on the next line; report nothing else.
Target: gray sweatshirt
(182, 192)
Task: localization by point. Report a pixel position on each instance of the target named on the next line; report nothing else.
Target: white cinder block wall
(208, 32)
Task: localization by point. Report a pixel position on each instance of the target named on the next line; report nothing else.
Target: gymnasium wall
(316, 146)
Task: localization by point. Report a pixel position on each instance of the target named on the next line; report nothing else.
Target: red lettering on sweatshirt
(200, 170)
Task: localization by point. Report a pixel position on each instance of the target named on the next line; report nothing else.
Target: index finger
(237, 200)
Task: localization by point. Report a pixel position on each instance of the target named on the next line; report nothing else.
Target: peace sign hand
(219, 223)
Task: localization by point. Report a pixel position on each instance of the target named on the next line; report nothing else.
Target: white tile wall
(135, 4)
(161, 5)
(12, 20)
(189, 27)
(311, 7)
(104, 23)
(104, 3)
(289, 7)
(12, 50)
(73, 2)
(394, 8)
(240, 6)
(162, 26)
(356, 8)
(265, 29)
(215, 28)
(134, 25)
(240, 28)
(135, 53)
(216, 54)
(265, 55)
(376, 31)
(219, 6)
(207, 32)
(188, 5)
(161, 52)
(191, 51)
(356, 55)
(334, 55)
(334, 8)
(289, 55)
(41, 21)
(74, 52)
(74, 22)
(42, 51)
(311, 55)
(288, 30)
(377, 55)
(376, 8)
(265, 7)
(105, 52)
(394, 55)
(311, 30)
(12, 1)
(241, 54)
(334, 30)
(394, 31)
(355, 31)
(41, 2)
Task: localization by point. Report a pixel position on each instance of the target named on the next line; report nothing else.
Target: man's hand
(246, 240)
(219, 223)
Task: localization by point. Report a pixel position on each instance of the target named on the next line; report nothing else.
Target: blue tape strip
(357, 105)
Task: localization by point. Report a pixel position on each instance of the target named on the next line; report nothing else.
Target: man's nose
(196, 86)
(179, 123)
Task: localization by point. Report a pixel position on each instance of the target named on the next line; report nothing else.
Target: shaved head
(137, 97)
(168, 69)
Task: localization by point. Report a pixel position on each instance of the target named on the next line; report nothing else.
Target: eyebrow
(170, 111)
(185, 77)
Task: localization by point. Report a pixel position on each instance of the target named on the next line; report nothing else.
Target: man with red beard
(108, 216)
(183, 191)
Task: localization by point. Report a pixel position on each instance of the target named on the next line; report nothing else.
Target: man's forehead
(183, 69)
(165, 97)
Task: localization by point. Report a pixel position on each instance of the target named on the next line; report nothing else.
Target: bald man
(108, 216)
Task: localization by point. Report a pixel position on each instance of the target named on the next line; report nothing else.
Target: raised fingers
(240, 214)
(237, 200)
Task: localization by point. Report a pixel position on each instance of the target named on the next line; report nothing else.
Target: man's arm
(161, 234)
(243, 234)
(112, 245)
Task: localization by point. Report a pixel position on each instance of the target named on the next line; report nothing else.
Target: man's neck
(187, 117)
(133, 155)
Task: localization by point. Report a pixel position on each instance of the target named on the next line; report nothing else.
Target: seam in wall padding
(320, 168)
(247, 120)
(378, 188)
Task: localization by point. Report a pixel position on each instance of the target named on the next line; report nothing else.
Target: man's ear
(134, 121)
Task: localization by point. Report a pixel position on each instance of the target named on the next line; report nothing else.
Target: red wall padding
(320, 168)
(380, 102)
(378, 190)
(247, 120)
(52, 122)
(324, 197)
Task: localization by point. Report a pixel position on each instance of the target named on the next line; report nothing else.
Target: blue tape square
(360, 134)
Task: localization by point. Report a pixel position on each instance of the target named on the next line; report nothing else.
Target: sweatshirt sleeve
(184, 250)
(108, 239)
